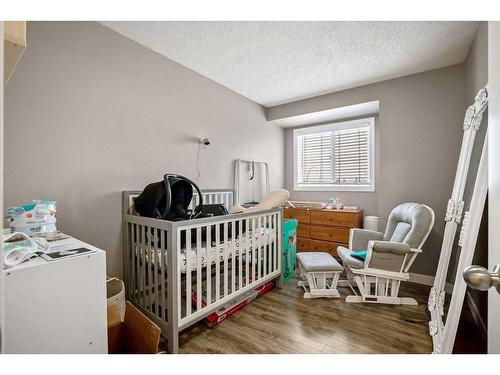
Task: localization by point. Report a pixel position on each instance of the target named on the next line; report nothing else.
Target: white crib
(169, 265)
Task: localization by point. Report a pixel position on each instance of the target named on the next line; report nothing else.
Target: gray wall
(90, 113)
(419, 132)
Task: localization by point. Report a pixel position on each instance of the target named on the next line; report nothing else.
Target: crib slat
(270, 242)
(260, 248)
(163, 270)
(175, 301)
(151, 284)
(145, 264)
(209, 265)
(143, 267)
(233, 256)
(254, 250)
(217, 262)
(188, 271)
(275, 249)
(155, 278)
(240, 254)
(225, 261)
(278, 237)
(198, 269)
(247, 252)
(126, 265)
(134, 264)
(264, 244)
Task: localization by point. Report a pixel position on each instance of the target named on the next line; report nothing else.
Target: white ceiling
(278, 62)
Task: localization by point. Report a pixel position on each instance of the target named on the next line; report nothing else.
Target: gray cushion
(318, 262)
(345, 254)
(409, 223)
(400, 232)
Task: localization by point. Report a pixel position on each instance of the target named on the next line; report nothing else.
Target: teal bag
(289, 249)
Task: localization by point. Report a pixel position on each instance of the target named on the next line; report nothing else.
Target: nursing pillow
(276, 198)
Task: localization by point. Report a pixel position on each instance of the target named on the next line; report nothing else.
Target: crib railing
(229, 256)
(210, 196)
(221, 196)
(179, 272)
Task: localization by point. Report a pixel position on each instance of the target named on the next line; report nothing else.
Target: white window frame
(332, 127)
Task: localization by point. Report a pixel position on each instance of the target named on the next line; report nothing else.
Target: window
(336, 156)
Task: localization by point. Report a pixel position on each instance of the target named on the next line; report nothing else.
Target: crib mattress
(233, 248)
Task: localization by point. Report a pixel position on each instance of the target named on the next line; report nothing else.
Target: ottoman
(319, 273)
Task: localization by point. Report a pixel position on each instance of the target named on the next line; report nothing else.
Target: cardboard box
(137, 334)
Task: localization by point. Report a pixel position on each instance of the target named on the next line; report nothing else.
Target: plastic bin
(115, 290)
(371, 223)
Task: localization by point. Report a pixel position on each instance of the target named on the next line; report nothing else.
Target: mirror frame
(443, 332)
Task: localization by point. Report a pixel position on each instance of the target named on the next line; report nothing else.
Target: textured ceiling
(279, 62)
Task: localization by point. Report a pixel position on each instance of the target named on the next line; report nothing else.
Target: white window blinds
(317, 166)
(335, 155)
(350, 154)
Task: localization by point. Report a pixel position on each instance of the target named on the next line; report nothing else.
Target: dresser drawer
(346, 219)
(303, 244)
(303, 216)
(303, 231)
(328, 247)
(335, 234)
(308, 245)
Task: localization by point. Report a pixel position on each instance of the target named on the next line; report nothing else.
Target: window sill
(352, 188)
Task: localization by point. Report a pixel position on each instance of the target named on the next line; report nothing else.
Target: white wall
(90, 113)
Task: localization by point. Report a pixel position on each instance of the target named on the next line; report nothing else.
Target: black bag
(209, 210)
(169, 199)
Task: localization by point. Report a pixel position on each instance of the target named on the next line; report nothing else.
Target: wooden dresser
(322, 229)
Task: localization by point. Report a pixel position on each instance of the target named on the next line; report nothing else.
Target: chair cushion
(400, 232)
(345, 254)
(318, 262)
(409, 223)
(360, 254)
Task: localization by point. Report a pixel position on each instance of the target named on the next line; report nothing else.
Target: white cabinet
(57, 306)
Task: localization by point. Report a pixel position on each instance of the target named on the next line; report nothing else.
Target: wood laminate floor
(282, 321)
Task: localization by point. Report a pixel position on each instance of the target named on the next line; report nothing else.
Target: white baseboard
(476, 315)
(418, 278)
(421, 279)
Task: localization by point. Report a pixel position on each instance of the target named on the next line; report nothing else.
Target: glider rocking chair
(389, 256)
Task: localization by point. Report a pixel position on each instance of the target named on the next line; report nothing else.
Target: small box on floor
(234, 305)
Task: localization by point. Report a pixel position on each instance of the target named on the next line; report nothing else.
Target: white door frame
(494, 180)
(1, 184)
